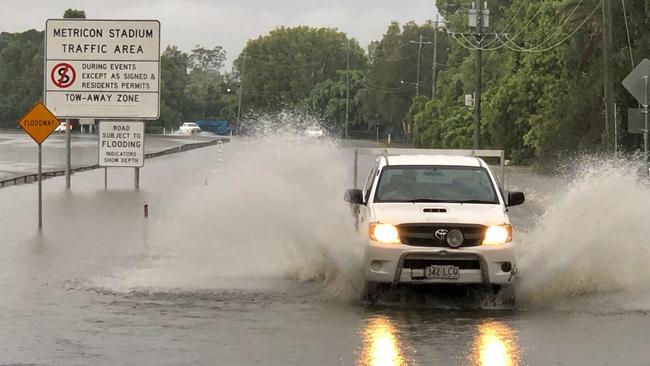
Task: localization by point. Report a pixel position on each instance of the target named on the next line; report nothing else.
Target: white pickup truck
(435, 217)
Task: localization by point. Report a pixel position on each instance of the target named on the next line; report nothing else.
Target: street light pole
(417, 83)
(241, 88)
(347, 89)
(434, 74)
(477, 100)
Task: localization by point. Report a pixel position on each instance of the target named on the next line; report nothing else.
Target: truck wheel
(507, 295)
(373, 292)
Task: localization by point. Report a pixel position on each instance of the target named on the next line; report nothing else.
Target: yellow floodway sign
(39, 123)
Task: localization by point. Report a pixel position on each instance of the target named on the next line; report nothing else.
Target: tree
(21, 74)
(328, 98)
(280, 69)
(393, 72)
(74, 13)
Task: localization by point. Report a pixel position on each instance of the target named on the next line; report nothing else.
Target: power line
(535, 50)
(558, 31)
(386, 88)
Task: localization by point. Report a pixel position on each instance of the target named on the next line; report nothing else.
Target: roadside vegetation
(542, 94)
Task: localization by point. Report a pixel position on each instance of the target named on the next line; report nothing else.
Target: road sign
(39, 123)
(63, 75)
(635, 84)
(635, 121)
(121, 144)
(103, 68)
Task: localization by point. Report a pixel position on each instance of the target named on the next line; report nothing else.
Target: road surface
(248, 258)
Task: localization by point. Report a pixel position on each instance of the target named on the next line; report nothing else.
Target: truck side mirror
(354, 196)
(515, 198)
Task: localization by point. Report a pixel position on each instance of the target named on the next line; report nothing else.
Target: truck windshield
(435, 184)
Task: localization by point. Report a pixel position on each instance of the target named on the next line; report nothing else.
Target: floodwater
(19, 153)
(248, 257)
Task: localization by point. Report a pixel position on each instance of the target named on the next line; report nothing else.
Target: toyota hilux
(435, 219)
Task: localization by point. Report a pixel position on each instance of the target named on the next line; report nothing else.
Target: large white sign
(121, 143)
(102, 68)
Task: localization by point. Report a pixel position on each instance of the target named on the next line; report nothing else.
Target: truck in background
(219, 127)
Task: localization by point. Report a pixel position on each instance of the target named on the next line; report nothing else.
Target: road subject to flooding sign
(121, 144)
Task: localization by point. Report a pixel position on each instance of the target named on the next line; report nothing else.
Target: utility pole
(477, 100)
(434, 73)
(241, 88)
(417, 77)
(347, 89)
(606, 7)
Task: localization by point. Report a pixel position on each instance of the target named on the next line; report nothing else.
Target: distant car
(190, 128)
(61, 127)
(314, 131)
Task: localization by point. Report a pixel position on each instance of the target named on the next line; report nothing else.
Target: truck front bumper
(399, 263)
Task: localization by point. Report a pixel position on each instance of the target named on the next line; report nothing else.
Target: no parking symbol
(63, 75)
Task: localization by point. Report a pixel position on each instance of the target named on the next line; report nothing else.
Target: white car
(314, 131)
(435, 219)
(61, 127)
(190, 128)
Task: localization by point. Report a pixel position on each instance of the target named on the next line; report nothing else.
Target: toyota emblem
(441, 234)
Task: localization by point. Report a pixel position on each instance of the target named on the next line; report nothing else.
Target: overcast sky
(210, 23)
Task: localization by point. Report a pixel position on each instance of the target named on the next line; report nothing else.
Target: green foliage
(328, 98)
(537, 106)
(393, 71)
(280, 69)
(74, 13)
(193, 86)
(21, 74)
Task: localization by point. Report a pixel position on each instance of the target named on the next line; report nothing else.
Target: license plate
(442, 272)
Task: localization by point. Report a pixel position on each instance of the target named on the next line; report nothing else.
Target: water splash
(589, 250)
(271, 217)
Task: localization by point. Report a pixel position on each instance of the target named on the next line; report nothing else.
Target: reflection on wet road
(381, 347)
(495, 345)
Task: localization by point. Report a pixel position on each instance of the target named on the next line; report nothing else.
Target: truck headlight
(497, 234)
(384, 233)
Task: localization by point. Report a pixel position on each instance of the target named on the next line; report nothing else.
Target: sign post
(39, 123)
(637, 83)
(103, 69)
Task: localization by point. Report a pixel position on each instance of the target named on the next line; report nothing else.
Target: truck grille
(460, 263)
(423, 235)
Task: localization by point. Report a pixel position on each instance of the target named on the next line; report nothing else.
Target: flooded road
(18, 155)
(248, 257)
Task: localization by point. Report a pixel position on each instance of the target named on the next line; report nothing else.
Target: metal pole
(241, 89)
(417, 77)
(606, 10)
(136, 179)
(67, 155)
(40, 186)
(435, 59)
(105, 178)
(645, 120)
(477, 100)
(347, 89)
(356, 168)
(615, 130)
